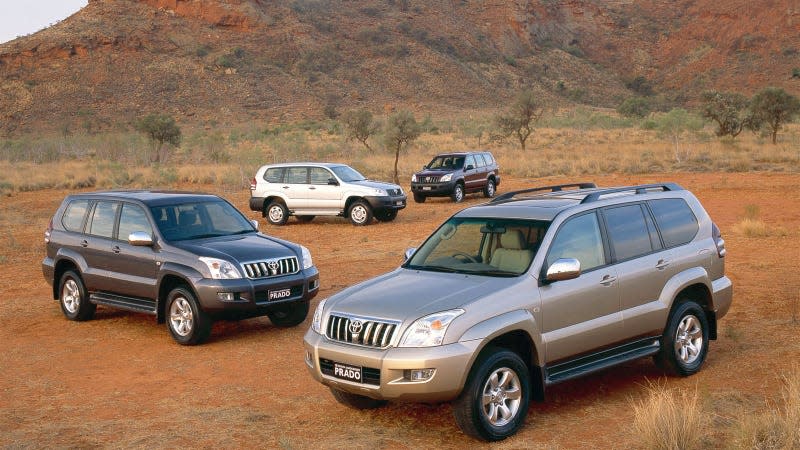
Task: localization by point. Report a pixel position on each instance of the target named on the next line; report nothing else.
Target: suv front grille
(429, 179)
(365, 332)
(393, 191)
(271, 267)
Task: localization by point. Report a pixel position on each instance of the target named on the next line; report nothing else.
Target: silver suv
(307, 190)
(536, 287)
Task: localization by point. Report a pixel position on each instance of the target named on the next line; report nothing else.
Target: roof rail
(640, 189)
(554, 188)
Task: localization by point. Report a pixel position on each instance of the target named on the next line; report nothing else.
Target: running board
(127, 303)
(602, 360)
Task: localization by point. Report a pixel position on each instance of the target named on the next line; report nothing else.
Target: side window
(479, 160)
(274, 175)
(675, 220)
(318, 175)
(470, 161)
(297, 175)
(627, 230)
(102, 222)
(488, 158)
(132, 218)
(74, 215)
(579, 238)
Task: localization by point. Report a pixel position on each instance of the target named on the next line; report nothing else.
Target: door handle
(115, 249)
(312, 188)
(286, 187)
(608, 280)
(662, 264)
(84, 243)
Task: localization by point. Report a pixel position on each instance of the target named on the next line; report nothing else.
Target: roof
(464, 153)
(151, 197)
(306, 163)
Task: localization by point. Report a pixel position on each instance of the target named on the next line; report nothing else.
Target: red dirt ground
(120, 381)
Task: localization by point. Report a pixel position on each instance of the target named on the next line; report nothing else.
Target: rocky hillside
(214, 62)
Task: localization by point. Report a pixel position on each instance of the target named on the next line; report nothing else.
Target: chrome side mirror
(563, 269)
(254, 222)
(140, 239)
(409, 252)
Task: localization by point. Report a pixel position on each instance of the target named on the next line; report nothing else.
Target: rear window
(74, 215)
(675, 220)
(102, 222)
(628, 231)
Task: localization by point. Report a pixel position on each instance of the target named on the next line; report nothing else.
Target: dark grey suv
(185, 258)
(456, 174)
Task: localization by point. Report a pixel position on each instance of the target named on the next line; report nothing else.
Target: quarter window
(103, 219)
(579, 238)
(675, 220)
(488, 158)
(274, 175)
(74, 215)
(132, 218)
(628, 232)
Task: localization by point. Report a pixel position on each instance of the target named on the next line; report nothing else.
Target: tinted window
(296, 175)
(479, 161)
(470, 161)
(132, 219)
(74, 215)
(628, 232)
(199, 220)
(274, 175)
(579, 238)
(102, 223)
(675, 220)
(488, 158)
(319, 175)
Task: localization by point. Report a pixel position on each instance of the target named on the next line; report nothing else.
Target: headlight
(429, 330)
(221, 269)
(414, 178)
(306, 256)
(379, 192)
(447, 177)
(316, 323)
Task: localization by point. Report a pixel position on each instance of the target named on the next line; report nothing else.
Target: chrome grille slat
(374, 333)
(261, 269)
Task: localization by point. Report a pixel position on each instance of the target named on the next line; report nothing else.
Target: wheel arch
(701, 294)
(270, 199)
(350, 200)
(63, 265)
(166, 285)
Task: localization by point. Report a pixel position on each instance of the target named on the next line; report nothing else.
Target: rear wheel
(419, 198)
(356, 401)
(74, 299)
(494, 402)
(360, 213)
(489, 189)
(276, 213)
(386, 215)
(684, 344)
(289, 315)
(458, 193)
(187, 323)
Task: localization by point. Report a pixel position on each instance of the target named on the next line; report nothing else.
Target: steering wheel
(466, 257)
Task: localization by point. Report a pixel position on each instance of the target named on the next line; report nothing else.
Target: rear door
(472, 174)
(96, 246)
(295, 187)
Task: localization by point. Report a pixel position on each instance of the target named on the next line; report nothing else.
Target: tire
(489, 189)
(386, 216)
(501, 377)
(684, 344)
(305, 219)
(187, 323)
(458, 193)
(356, 401)
(289, 315)
(276, 213)
(360, 213)
(419, 198)
(74, 298)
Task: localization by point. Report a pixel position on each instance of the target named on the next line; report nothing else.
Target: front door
(323, 196)
(134, 267)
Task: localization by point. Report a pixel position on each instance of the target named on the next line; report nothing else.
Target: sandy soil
(121, 381)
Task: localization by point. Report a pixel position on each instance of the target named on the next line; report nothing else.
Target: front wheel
(289, 315)
(458, 193)
(684, 344)
(356, 401)
(74, 299)
(187, 323)
(276, 213)
(489, 189)
(494, 402)
(360, 213)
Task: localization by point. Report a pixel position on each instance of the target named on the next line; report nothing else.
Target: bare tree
(359, 125)
(728, 110)
(401, 129)
(520, 118)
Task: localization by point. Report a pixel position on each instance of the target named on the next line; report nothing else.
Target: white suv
(307, 190)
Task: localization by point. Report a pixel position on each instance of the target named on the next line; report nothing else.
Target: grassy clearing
(776, 428)
(667, 420)
(752, 226)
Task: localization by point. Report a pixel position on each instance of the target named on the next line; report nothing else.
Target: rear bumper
(257, 203)
(722, 295)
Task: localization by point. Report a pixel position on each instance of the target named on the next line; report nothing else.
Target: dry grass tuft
(669, 420)
(778, 428)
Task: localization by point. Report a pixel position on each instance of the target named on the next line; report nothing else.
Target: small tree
(773, 107)
(359, 125)
(728, 110)
(520, 118)
(160, 129)
(401, 129)
(637, 107)
(674, 124)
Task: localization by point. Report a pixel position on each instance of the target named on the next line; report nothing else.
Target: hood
(434, 172)
(375, 184)
(407, 295)
(239, 248)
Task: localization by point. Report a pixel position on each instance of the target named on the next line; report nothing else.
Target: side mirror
(254, 222)
(140, 239)
(332, 182)
(563, 269)
(409, 252)
(470, 167)
(424, 167)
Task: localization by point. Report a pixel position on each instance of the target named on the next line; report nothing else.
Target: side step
(139, 305)
(602, 360)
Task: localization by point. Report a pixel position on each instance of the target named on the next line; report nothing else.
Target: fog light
(313, 285)
(309, 359)
(226, 296)
(419, 375)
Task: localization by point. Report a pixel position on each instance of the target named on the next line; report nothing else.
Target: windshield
(492, 247)
(347, 174)
(199, 220)
(446, 163)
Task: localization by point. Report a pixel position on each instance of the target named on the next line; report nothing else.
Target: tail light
(48, 231)
(253, 184)
(718, 241)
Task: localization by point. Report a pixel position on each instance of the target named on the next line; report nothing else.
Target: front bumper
(388, 202)
(251, 297)
(391, 366)
(433, 189)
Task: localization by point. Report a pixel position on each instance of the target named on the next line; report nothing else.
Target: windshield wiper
(435, 268)
(493, 272)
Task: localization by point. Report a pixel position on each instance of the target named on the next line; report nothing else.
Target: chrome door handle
(312, 188)
(662, 264)
(608, 280)
(84, 243)
(116, 249)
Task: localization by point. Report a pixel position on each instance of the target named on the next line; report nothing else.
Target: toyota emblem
(355, 327)
(273, 267)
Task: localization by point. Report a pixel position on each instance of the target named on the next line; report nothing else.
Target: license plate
(399, 203)
(426, 188)
(279, 294)
(347, 372)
